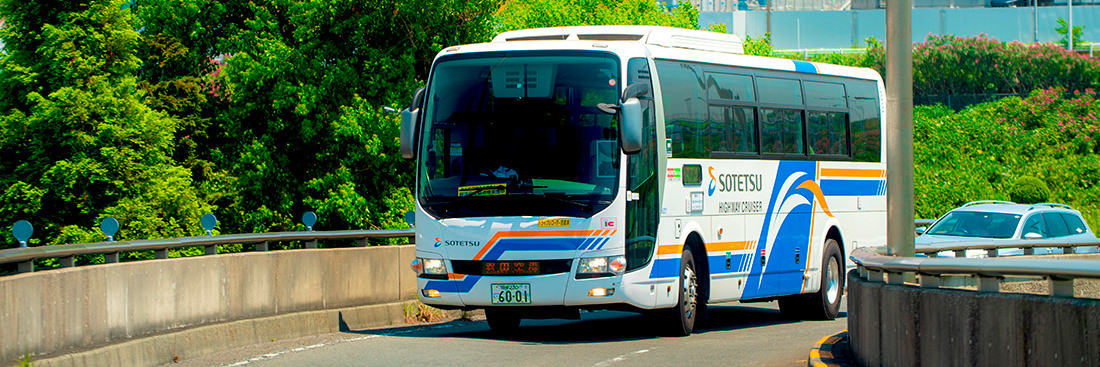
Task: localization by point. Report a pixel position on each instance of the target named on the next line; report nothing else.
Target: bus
(640, 168)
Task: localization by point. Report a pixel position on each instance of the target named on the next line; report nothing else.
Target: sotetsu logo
(439, 242)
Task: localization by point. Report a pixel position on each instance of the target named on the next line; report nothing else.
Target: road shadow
(598, 326)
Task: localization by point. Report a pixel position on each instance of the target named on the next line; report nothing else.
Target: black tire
(502, 321)
(825, 303)
(681, 318)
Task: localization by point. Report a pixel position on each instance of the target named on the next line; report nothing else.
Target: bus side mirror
(631, 120)
(631, 126)
(408, 119)
(408, 125)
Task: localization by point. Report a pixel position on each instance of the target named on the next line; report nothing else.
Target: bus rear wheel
(681, 318)
(825, 303)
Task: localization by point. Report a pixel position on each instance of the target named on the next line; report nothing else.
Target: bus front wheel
(681, 318)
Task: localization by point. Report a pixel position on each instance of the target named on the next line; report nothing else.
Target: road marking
(620, 358)
(319, 345)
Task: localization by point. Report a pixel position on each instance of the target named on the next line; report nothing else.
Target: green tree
(1063, 29)
(522, 14)
(78, 140)
(305, 86)
(759, 46)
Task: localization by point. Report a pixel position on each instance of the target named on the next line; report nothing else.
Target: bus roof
(651, 35)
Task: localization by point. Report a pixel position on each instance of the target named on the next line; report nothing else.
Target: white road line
(319, 345)
(620, 358)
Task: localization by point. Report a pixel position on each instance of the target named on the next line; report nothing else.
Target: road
(737, 334)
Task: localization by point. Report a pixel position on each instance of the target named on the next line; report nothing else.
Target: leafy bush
(952, 65)
(759, 46)
(523, 14)
(981, 152)
(1029, 190)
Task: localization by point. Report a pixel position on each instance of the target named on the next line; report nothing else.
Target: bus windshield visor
(520, 134)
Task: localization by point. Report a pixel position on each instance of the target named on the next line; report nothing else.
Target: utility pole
(768, 6)
(1069, 32)
(899, 127)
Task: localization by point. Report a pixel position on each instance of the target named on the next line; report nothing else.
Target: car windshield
(520, 134)
(976, 224)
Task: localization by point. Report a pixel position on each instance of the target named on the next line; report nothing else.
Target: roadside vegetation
(991, 150)
(156, 113)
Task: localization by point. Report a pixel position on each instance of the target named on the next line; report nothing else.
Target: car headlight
(430, 268)
(605, 266)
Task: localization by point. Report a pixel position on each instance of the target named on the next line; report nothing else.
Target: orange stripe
(454, 276)
(499, 235)
(851, 172)
(728, 246)
(670, 249)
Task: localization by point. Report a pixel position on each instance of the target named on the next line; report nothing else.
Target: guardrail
(991, 247)
(25, 256)
(1060, 273)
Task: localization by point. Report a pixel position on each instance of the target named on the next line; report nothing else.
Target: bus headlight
(595, 267)
(430, 268)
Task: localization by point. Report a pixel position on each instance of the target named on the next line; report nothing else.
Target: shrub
(984, 152)
(1029, 190)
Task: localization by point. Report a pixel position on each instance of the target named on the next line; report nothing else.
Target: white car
(1000, 221)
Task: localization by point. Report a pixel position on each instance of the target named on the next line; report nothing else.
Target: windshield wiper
(576, 203)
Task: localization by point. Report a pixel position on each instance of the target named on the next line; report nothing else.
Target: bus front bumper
(475, 291)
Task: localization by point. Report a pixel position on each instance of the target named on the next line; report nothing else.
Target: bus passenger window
(781, 131)
(828, 133)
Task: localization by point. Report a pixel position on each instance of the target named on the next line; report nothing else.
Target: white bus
(644, 168)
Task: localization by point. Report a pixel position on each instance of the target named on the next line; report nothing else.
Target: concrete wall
(843, 29)
(59, 311)
(897, 325)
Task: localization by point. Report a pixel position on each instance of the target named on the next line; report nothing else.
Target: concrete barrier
(62, 311)
(899, 325)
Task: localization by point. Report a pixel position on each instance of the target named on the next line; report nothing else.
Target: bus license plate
(511, 294)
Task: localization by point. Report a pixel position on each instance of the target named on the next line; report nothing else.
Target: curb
(194, 342)
(831, 351)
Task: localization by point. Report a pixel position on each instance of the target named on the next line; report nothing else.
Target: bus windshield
(511, 134)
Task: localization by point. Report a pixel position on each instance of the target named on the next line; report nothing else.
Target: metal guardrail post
(1060, 287)
(160, 254)
(110, 258)
(895, 278)
(262, 246)
(361, 242)
(210, 250)
(876, 276)
(68, 262)
(989, 284)
(26, 266)
(929, 281)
